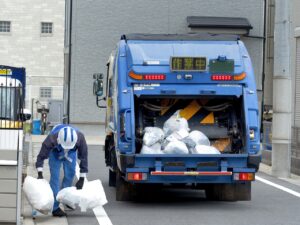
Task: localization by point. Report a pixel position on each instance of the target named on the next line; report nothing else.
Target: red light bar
(221, 77)
(154, 77)
(191, 173)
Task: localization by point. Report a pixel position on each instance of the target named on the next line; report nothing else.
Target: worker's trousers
(69, 167)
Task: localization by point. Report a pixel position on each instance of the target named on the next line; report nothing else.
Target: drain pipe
(282, 92)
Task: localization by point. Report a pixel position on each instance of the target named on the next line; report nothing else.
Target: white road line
(297, 194)
(101, 216)
(99, 212)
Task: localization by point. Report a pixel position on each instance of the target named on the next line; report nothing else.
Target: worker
(62, 146)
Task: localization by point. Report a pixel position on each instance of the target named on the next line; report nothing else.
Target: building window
(45, 92)
(46, 28)
(4, 26)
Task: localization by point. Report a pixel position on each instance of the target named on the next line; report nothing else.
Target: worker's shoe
(59, 213)
(69, 208)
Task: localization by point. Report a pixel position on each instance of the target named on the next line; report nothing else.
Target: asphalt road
(269, 206)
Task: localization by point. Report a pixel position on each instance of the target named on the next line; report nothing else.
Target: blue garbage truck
(209, 80)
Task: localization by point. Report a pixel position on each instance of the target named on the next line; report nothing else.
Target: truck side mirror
(98, 89)
(98, 84)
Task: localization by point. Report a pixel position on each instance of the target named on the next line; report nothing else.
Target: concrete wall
(295, 33)
(24, 46)
(11, 148)
(98, 25)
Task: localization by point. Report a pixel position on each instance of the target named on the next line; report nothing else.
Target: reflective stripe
(189, 111)
(209, 119)
(191, 173)
(72, 138)
(65, 133)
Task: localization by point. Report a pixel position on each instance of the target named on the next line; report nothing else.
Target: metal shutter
(297, 84)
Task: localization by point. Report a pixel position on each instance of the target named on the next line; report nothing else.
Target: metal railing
(11, 103)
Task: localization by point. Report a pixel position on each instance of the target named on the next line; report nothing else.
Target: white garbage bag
(175, 123)
(178, 135)
(153, 135)
(154, 149)
(39, 194)
(204, 149)
(196, 138)
(175, 136)
(90, 196)
(176, 147)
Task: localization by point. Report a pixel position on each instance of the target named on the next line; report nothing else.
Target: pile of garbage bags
(40, 195)
(176, 138)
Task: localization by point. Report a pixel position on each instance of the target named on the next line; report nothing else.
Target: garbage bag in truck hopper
(178, 135)
(204, 149)
(153, 135)
(176, 147)
(153, 149)
(175, 123)
(196, 138)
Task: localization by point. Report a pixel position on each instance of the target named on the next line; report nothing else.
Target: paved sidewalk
(294, 179)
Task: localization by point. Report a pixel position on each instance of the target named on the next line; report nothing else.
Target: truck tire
(229, 192)
(243, 191)
(112, 178)
(124, 190)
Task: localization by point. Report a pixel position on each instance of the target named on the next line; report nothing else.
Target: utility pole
(282, 93)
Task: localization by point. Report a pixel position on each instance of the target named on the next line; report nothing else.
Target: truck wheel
(112, 178)
(229, 192)
(124, 190)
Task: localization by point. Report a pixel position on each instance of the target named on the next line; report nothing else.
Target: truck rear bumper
(188, 168)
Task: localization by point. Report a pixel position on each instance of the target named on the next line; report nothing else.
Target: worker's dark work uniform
(59, 156)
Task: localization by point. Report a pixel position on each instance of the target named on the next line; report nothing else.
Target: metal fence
(11, 103)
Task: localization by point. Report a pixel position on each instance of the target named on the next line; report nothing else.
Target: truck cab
(210, 81)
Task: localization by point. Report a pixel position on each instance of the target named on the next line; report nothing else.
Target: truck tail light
(240, 76)
(228, 77)
(135, 76)
(154, 77)
(221, 77)
(136, 176)
(244, 176)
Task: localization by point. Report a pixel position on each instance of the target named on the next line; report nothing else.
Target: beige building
(294, 21)
(32, 36)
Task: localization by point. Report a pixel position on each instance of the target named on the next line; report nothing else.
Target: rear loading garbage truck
(207, 80)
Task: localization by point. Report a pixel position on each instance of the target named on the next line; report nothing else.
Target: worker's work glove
(40, 175)
(79, 183)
